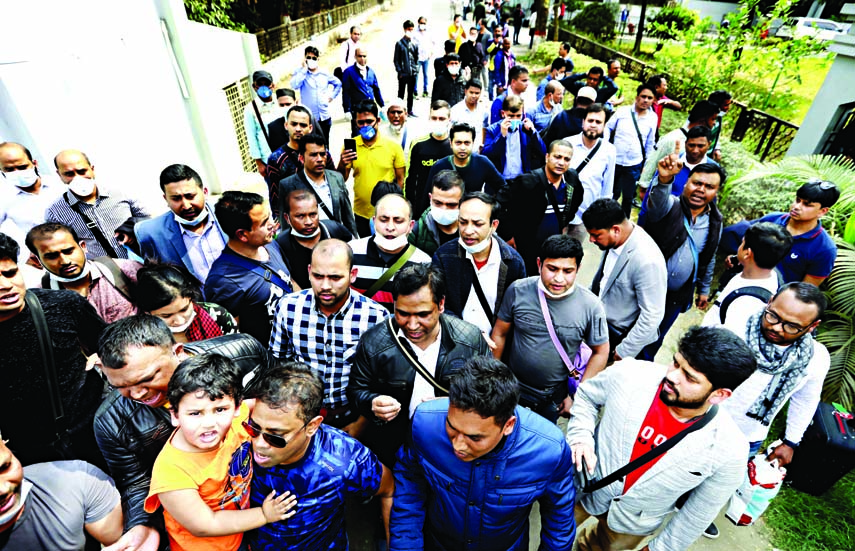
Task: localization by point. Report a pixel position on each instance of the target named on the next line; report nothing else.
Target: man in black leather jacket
(384, 384)
(138, 356)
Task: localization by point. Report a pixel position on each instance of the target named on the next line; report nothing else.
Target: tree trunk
(640, 33)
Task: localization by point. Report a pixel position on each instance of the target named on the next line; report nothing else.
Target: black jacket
(406, 58)
(524, 203)
(295, 257)
(379, 368)
(448, 88)
(342, 211)
(472, 55)
(565, 124)
(131, 435)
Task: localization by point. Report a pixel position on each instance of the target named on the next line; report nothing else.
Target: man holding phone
(511, 143)
(372, 158)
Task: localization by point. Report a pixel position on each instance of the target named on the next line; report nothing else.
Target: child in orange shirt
(198, 476)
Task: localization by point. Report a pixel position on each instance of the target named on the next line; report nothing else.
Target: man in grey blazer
(631, 281)
(327, 185)
(634, 406)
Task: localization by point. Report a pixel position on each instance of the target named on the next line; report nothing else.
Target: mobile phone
(350, 143)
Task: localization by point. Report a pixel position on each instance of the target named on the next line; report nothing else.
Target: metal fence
(278, 40)
(238, 94)
(762, 134)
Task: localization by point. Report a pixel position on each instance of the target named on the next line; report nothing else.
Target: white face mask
(390, 245)
(312, 235)
(22, 178)
(183, 327)
(83, 273)
(82, 186)
(195, 222)
(546, 291)
(477, 247)
(444, 217)
(362, 66)
(408, 34)
(312, 64)
(453, 69)
(438, 128)
(422, 28)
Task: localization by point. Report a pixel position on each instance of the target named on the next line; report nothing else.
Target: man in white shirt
(632, 130)
(470, 111)
(24, 195)
(426, 46)
(594, 162)
(763, 246)
(348, 48)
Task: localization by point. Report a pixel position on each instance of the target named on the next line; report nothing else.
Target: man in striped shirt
(321, 327)
(92, 211)
(378, 257)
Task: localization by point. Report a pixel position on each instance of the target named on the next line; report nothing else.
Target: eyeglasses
(272, 439)
(366, 122)
(312, 57)
(789, 327)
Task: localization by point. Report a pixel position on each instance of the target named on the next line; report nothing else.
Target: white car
(821, 29)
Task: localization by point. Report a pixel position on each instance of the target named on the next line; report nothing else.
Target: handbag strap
(48, 363)
(638, 134)
(393, 269)
(265, 273)
(108, 247)
(261, 123)
(544, 307)
(590, 156)
(417, 365)
(479, 292)
(652, 454)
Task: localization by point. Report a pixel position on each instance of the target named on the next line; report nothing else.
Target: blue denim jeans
(424, 70)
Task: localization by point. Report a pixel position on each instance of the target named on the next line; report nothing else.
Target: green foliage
(670, 21)
(597, 20)
(218, 13)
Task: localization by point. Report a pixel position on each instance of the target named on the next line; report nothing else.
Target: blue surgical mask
(367, 132)
(264, 92)
(515, 124)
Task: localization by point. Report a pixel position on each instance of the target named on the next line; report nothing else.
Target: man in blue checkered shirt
(321, 327)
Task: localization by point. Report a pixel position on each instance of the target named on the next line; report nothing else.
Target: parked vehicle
(822, 29)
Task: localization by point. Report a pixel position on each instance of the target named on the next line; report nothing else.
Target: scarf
(203, 326)
(786, 366)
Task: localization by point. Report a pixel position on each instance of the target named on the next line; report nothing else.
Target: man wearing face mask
(106, 283)
(258, 114)
(317, 89)
(480, 263)
(188, 233)
(25, 195)
(449, 86)
(511, 143)
(379, 257)
(425, 152)
(426, 46)
(472, 53)
(477, 171)
(548, 107)
(438, 225)
(406, 61)
(470, 111)
(91, 210)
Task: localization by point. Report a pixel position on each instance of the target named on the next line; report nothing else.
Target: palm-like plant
(771, 186)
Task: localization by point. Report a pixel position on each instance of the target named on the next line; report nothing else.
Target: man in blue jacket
(475, 464)
(512, 143)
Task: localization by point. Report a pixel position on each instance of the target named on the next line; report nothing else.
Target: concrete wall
(713, 10)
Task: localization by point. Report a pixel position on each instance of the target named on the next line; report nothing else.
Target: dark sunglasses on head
(823, 185)
(272, 439)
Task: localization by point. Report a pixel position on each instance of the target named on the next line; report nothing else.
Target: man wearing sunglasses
(292, 448)
(138, 355)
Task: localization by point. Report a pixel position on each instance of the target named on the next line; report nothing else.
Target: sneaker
(411, 114)
(425, 95)
(711, 532)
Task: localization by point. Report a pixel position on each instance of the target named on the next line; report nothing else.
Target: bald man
(93, 211)
(24, 194)
(379, 257)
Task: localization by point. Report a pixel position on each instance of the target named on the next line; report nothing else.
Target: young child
(198, 476)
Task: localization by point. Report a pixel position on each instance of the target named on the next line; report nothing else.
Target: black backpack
(760, 293)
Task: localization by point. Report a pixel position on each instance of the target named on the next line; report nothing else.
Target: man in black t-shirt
(250, 276)
(27, 418)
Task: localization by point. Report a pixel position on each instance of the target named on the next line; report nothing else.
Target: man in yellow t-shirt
(456, 32)
(376, 159)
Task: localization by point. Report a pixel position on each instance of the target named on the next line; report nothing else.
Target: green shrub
(670, 21)
(597, 20)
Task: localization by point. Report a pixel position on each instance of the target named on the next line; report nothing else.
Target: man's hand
(615, 356)
(261, 166)
(138, 538)
(356, 428)
(703, 302)
(564, 408)
(783, 453)
(491, 344)
(505, 126)
(347, 116)
(348, 156)
(670, 165)
(385, 408)
(585, 451)
(276, 508)
(716, 155)
(528, 126)
(730, 261)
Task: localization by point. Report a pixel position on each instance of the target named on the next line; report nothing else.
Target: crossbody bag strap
(261, 123)
(120, 280)
(48, 363)
(640, 139)
(393, 269)
(590, 156)
(93, 227)
(553, 200)
(265, 273)
(651, 455)
(417, 365)
(544, 307)
(479, 292)
(327, 210)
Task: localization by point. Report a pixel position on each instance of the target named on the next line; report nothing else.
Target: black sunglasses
(272, 439)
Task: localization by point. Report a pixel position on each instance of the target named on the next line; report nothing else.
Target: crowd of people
(399, 332)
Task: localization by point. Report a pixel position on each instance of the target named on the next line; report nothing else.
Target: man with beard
(399, 128)
(188, 233)
(594, 162)
(634, 407)
(105, 282)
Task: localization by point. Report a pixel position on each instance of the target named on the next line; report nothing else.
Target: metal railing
(762, 134)
(278, 40)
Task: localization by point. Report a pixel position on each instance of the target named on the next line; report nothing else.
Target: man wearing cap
(398, 127)
(257, 115)
(569, 122)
